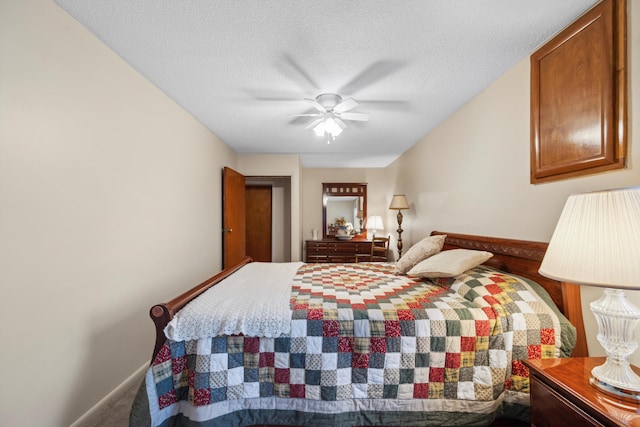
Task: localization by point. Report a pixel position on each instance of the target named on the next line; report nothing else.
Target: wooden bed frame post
(161, 314)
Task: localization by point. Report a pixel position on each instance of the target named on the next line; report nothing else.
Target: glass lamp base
(630, 395)
(617, 320)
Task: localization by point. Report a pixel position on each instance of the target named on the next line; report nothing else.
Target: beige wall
(471, 174)
(109, 203)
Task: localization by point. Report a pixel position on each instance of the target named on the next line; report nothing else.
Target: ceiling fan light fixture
(320, 128)
(329, 127)
(332, 127)
(331, 111)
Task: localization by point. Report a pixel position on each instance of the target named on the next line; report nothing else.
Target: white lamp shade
(399, 202)
(374, 222)
(597, 240)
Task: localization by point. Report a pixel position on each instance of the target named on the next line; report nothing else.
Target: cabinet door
(579, 97)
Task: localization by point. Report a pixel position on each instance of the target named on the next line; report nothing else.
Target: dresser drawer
(338, 251)
(350, 247)
(314, 246)
(361, 248)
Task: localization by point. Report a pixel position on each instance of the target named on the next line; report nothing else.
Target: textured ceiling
(241, 67)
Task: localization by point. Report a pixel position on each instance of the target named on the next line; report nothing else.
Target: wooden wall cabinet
(579, 97)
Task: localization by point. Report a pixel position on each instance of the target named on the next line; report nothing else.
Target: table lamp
(374, 223)
(597, 243)
(399, 202)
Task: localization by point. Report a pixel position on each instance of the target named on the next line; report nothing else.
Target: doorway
(268, 218)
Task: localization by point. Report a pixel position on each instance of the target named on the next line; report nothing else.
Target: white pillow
(449, 263)
(423, 249)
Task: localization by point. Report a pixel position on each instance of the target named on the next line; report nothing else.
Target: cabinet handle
(227, 230)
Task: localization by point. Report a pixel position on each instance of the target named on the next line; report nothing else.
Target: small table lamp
(374, 223)
(597, 243)
(399, 202)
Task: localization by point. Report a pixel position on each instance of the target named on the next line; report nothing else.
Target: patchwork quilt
(370, 347)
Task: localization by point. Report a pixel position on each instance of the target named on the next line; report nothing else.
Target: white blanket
(253, 301)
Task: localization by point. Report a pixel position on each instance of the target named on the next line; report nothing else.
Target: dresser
(562, 396)
(333, 250)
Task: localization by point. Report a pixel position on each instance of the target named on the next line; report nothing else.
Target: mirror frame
(337, 189)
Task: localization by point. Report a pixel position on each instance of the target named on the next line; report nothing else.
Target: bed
(363, 345)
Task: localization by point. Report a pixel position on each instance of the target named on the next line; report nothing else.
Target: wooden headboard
(523, 258)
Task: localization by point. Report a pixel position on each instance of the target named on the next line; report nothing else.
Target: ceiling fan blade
(345, 105)
(361, 117)
(316, 105)
(304, 115)
(370, 75)
(294, 71)
(313, 124)
(340, 123)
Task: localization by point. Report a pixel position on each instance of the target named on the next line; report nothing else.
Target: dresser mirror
(344, 209)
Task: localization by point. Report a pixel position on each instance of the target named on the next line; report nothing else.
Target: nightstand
(562, 396)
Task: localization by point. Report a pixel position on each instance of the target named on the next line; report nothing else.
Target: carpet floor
(117, 414)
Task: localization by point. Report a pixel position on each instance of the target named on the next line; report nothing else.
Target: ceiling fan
(332, 111)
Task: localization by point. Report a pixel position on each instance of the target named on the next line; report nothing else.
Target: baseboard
(91, 416)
